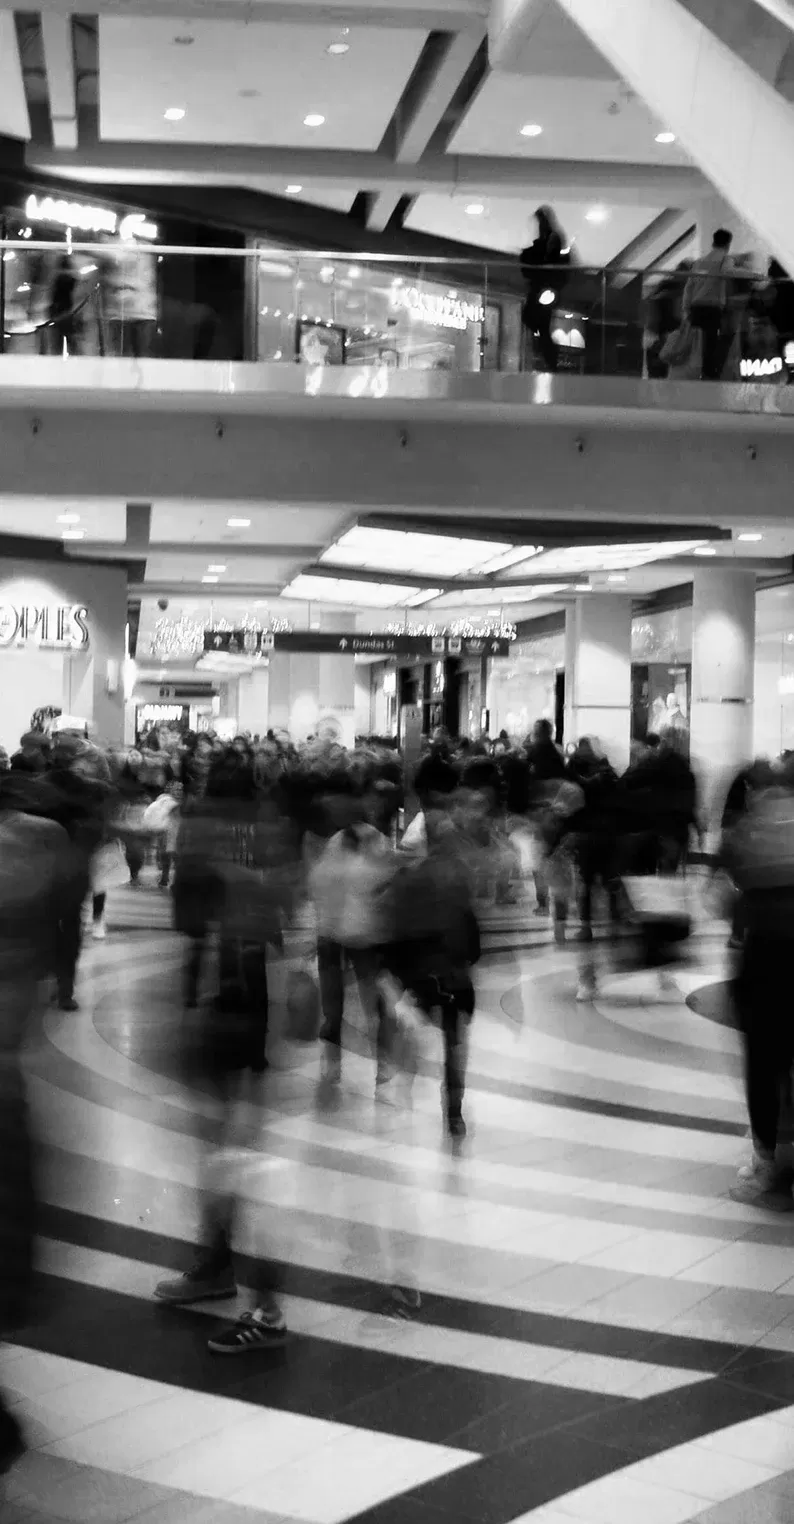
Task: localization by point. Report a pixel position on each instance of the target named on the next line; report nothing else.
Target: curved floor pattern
(604, 1334)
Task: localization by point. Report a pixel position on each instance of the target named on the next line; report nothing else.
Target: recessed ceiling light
(293, 190)
(73, 534)
(597, 214)
(174, 113)
(705, 550)
(314, 119)
(475, 208)
(209, 579)
(616, 577)
(665, 137)
(750, 539)
(336, 49)
(239, 523)
(582, 587)
(216, 568)
(68, 518)
(531, 130)
(184, 40)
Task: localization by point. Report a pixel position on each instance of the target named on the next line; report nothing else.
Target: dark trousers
(135, 853)
(69, 936)
(98, 906)
(762, 994)
(538, 321)
(595, 858)
(221, 1207)
(165, 861)
(711, 322)
(241, 1006)
(365, 963)
(454, 1023)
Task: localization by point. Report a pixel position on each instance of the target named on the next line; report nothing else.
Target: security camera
(752, 452)
(162, 603)
(220, 429)
(403, 438)
(579, 445)
(35, 425)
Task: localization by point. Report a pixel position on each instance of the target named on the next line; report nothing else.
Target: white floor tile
(759, 1267)
(622, 1497)
(710, 1474)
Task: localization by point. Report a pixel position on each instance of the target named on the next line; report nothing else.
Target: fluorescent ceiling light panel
(377, 595)
(593, 558)
(426, 596)
(485, 597)
(513, 557)
(420, 555)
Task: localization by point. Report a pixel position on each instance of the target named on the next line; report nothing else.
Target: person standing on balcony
(544, 265)
(706, 299)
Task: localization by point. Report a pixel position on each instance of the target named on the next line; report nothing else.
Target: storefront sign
(63, 625)
(160, 714)
(415, 647)
(88, 219)
(437, 311)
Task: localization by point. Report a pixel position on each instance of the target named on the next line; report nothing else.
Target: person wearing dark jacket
(75, 794)
(544, 266)
(33, 856)
(593, 829)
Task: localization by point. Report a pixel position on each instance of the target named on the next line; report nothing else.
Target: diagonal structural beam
(733, 125)
(56, 33)
(423, 114)
(439, 15)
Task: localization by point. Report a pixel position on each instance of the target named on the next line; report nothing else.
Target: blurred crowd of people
(301, 859)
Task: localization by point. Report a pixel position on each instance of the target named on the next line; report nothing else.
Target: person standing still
(706, 302)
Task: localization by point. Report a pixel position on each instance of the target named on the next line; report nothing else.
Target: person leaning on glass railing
(544, 266)
(706, 302)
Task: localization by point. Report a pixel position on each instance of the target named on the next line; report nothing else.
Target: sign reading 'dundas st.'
(415, 647)
(64, 625)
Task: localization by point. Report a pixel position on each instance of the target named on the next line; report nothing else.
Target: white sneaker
(762, 1183)
(99, 931)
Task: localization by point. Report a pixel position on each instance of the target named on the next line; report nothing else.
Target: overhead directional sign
(349, 643)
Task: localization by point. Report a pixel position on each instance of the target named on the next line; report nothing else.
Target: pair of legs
(538, 319)
(131, 337)
(762, 993)
(365, 962)
(711, 322)
(212, 1276)
(68, 939)
(594, 856)
(165, 861)
(135, 853)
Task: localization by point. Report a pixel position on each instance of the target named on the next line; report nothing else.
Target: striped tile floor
(604, 1335)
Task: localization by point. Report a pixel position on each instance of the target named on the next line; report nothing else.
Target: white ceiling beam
(425, 115)
(439, 15)
(510, 25)
(782, 10)
(208, 164)
(14, 118)
(56, 34)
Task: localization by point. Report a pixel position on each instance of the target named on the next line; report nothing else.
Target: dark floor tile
(399, 1510)
(539, 1410)
(773, 1377)
(433, 1405)
(503, 1487)
(674, 1418)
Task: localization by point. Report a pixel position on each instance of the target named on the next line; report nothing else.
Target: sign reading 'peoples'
(64, 625)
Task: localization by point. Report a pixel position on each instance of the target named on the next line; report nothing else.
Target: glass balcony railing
(270, 305)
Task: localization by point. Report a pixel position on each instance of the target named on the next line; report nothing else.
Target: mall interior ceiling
(354, 119)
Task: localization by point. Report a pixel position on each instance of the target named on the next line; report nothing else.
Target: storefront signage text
(437, 311)
(88, 219)
(753, 368)
(63, 625)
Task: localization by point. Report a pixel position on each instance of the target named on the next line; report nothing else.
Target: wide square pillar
(598, 674)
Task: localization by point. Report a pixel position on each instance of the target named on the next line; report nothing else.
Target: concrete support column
(310, 691)
(253, 701)
(723, 669)
(598, 674)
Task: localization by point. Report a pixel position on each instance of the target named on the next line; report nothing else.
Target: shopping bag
(303, 1006)
(659, 897)
(677, 347)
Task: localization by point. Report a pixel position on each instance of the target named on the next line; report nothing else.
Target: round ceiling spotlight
(174, 113)
(314, 119)
(475, 209)
(338, 49)
(293, 190)
(531, 130)
(665, 137)
(597, 214)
